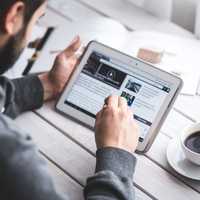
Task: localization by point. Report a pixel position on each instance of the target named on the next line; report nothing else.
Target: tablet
(103, 71)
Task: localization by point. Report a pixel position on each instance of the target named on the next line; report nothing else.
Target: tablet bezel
(89, 121)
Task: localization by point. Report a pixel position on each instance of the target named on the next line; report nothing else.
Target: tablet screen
(103, 76)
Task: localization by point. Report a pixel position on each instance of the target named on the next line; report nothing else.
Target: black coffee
(193, 142)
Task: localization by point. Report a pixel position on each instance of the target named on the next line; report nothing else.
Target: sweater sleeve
(20, 95)
(114, 176)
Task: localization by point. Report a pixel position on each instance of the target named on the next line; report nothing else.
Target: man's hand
(54, 81)
(115, 126)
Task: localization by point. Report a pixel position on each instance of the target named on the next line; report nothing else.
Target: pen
(38, 50)
(78, 53)
(55, 51)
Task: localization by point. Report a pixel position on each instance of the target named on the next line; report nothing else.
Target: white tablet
(102, 72)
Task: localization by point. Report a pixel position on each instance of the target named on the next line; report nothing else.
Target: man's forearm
(114, 176)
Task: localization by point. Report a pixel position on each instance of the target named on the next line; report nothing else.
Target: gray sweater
(23, 172)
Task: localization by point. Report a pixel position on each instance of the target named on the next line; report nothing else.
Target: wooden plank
(155, 176)
(69, 156)
(56, 146)
(189, 106)
(134, 17)
(141, 195)
(64, 184)
(69, 188)
(174, 124)
(158, 154)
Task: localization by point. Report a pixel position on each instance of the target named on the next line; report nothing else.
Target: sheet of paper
(101, 29)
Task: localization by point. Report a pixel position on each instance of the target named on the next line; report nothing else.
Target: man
(23, 174)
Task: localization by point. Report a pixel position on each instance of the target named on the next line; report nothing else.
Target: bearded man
(23, 174)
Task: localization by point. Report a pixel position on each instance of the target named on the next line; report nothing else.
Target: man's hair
(30, 7)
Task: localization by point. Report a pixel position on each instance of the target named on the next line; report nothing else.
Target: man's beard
(11, 51)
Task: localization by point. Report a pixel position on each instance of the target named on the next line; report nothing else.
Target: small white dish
(177, 160)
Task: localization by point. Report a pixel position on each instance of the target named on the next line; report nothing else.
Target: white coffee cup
(190, 155)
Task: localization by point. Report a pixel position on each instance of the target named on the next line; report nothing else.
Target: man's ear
(14, 18)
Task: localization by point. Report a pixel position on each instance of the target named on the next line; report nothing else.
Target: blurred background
(185, 13)
(168, 28)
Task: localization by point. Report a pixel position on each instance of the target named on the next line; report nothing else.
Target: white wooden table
(69, 148)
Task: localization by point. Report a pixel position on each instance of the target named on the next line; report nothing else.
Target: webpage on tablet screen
(103, 76)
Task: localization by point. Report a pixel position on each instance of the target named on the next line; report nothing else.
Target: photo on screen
(111, 76)
(133, 86)
(92, 64)
(130, 98)
(96, 68)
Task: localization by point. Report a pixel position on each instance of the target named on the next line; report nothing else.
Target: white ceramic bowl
(190, 155)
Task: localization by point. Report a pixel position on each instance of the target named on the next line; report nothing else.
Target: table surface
(69, 148)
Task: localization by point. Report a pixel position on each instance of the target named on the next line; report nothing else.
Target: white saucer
(179, 163)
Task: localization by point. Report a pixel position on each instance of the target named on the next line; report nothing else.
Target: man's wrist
(49, 90)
